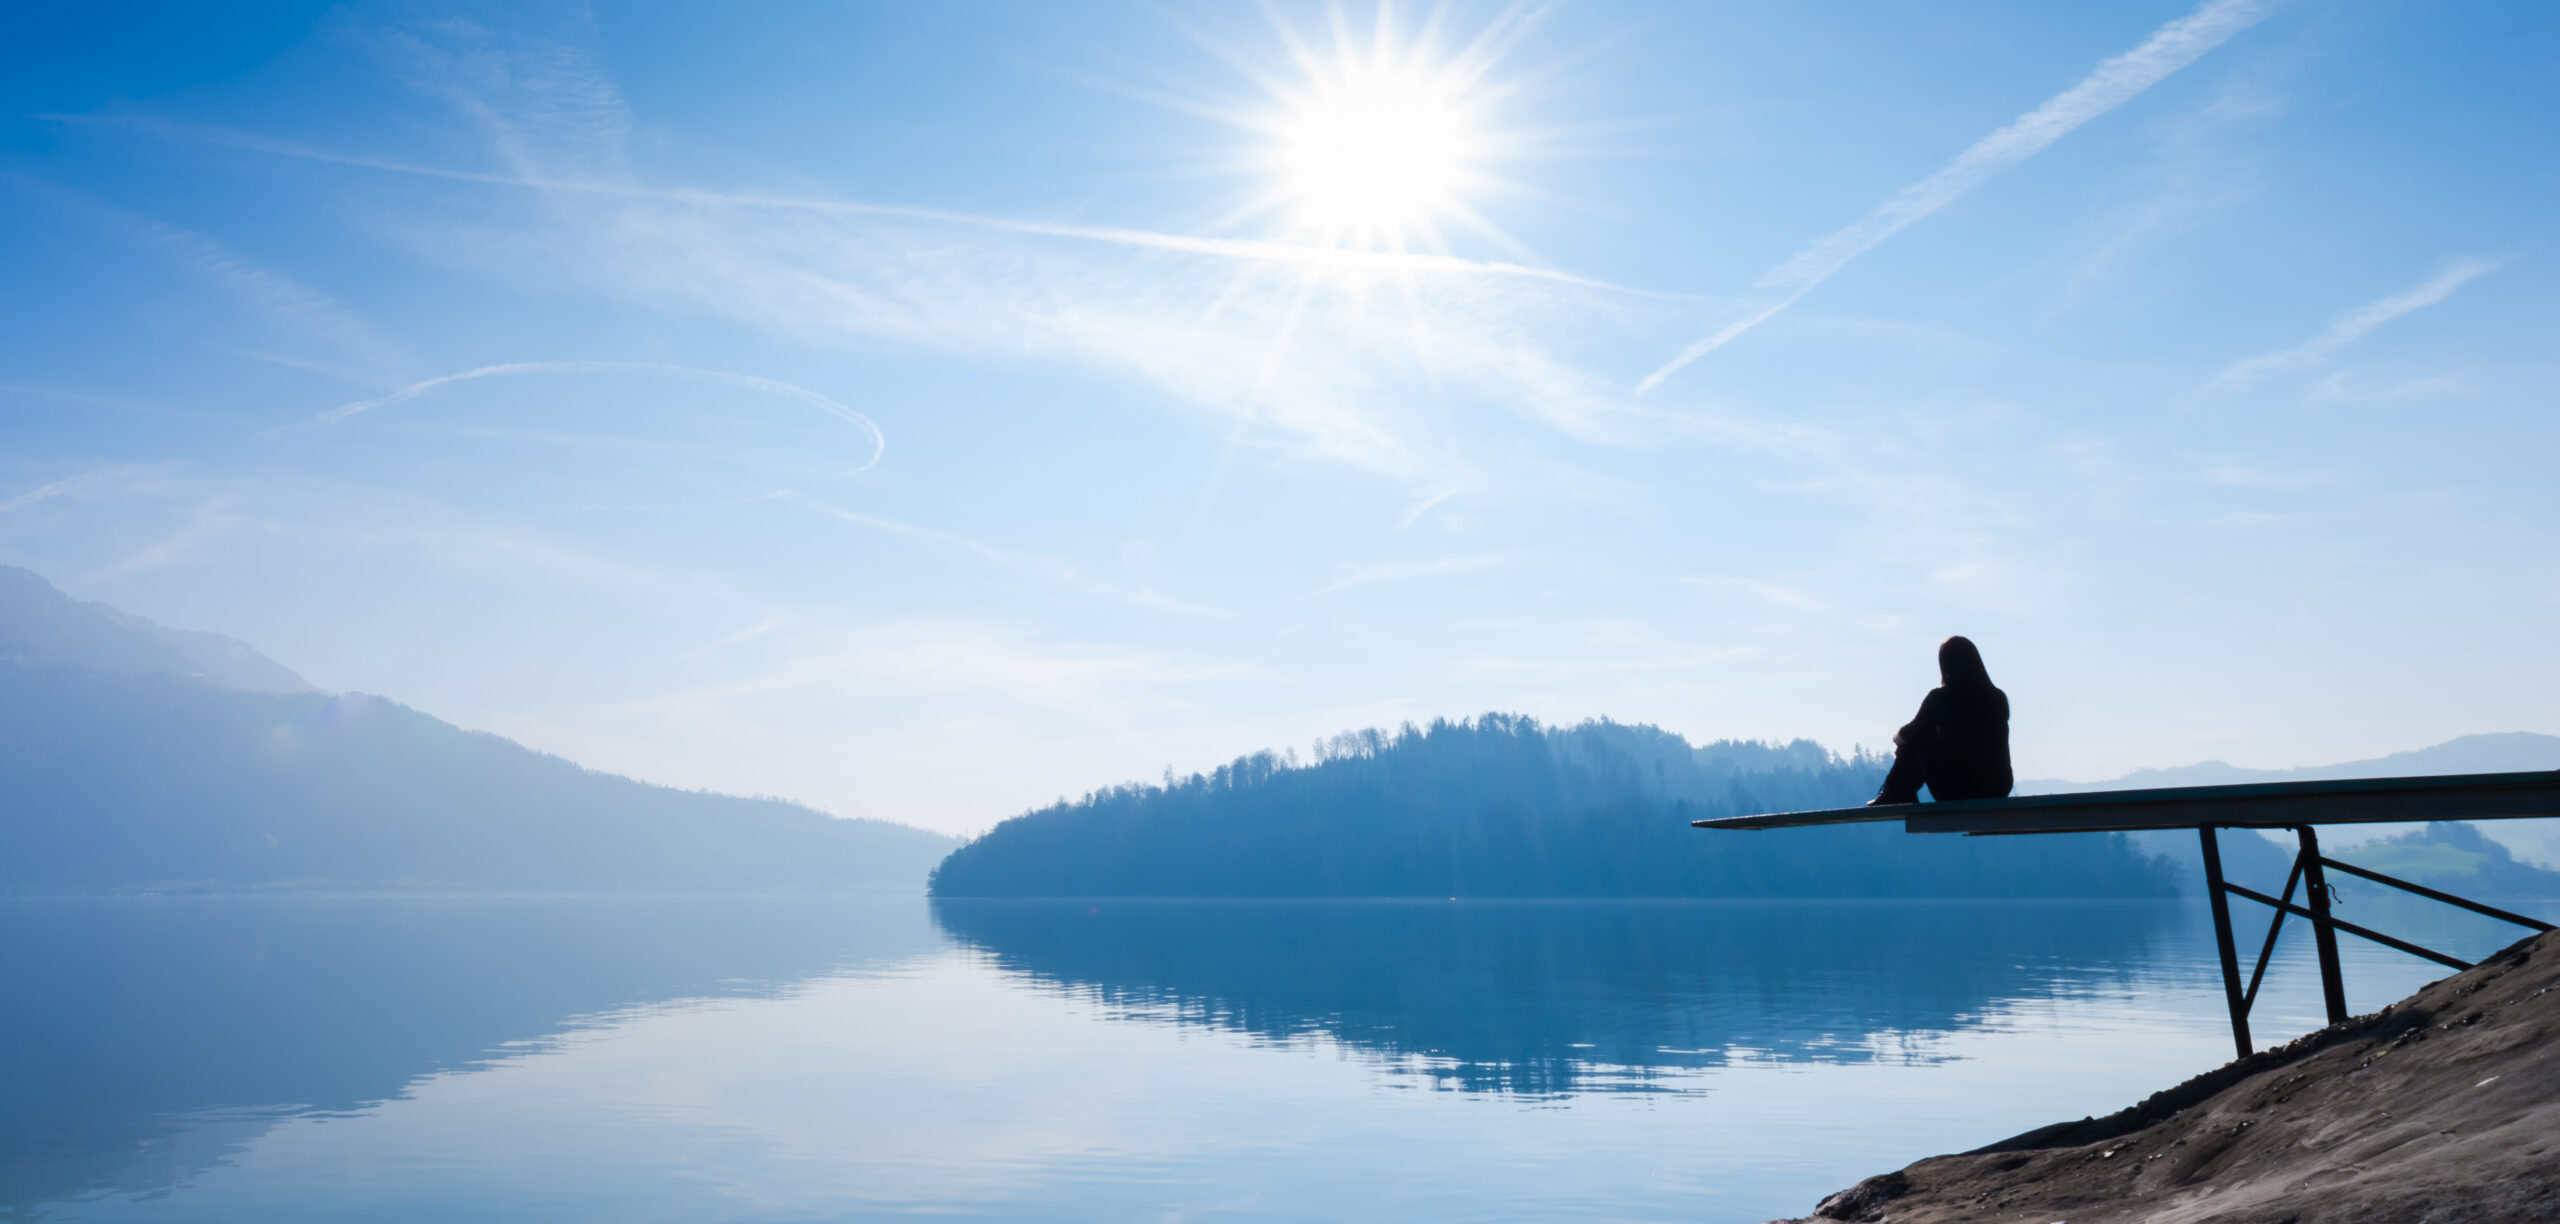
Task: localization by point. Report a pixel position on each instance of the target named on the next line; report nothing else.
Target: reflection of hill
(144, 1041)
(1543, 997)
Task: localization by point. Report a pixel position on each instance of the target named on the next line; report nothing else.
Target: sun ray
(1483, 227)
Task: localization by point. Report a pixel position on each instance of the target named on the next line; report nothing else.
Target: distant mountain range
(39, 624)
(2535, 842)
(139, 758)
(2501, 752)
(2452, 855)
(135, 757)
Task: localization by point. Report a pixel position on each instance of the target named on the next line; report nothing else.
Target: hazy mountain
(1502, 807)
(138, 758)
(2499, 752)
(2452, 855)
(39, 624)
(2535, 841)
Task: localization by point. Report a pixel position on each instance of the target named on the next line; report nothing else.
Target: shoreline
(2443, 1106)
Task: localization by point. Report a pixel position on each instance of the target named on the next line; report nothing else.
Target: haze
(925, 412)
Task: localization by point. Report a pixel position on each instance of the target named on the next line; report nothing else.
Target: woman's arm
(1923, 727)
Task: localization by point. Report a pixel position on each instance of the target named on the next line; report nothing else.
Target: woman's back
(1968, 731)
(1958, 745)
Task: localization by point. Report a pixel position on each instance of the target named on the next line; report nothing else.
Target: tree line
(1501, 806)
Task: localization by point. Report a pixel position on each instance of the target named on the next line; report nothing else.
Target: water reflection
(715, 1059)
(143, 1041)
(1553, 998)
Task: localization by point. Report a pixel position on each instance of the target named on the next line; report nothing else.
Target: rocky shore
(2443, 1108)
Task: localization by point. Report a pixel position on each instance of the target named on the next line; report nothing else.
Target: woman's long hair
(1960, 665)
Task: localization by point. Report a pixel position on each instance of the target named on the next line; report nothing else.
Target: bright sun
(1380, 142)
(1373, 156)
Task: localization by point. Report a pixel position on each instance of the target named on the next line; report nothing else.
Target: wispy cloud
(829, 705)
(1791, 604)
(309, 517)
(1331, 369)
(2339, 389)
(938, 659)
(1423, 507)
(1367, 358)
(752, 632)
(871, 431)
(208, 521)
(1604, 647)
(1282, 252)
(1407, 571)
(66, 486)
(2115, 82)
(535, 87)
(307, 312)
(1048, 569)
(2237, 475)
(2199, 165)
(2354, 325)
(1792, 597)
(303, 314)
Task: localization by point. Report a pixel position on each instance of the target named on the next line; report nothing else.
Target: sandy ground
(2443, 1108)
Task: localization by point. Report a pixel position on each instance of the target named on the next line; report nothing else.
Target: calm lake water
(723, 1059)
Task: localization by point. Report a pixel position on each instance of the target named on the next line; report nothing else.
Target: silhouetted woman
(1958, 745)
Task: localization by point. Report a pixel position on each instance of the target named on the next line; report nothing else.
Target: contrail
(2352, 326)
(879, 442)
(1247, 250)
(61, 487)
(1053, 569)
(2117, 81)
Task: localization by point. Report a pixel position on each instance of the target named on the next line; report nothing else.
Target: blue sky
(927, 411)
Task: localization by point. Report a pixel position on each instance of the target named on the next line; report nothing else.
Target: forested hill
(1503, 807)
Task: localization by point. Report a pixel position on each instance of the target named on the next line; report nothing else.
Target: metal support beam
(2350, 928)
(2275, 927)
(2213, 887)
(2324, 929)
(2432, 895)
